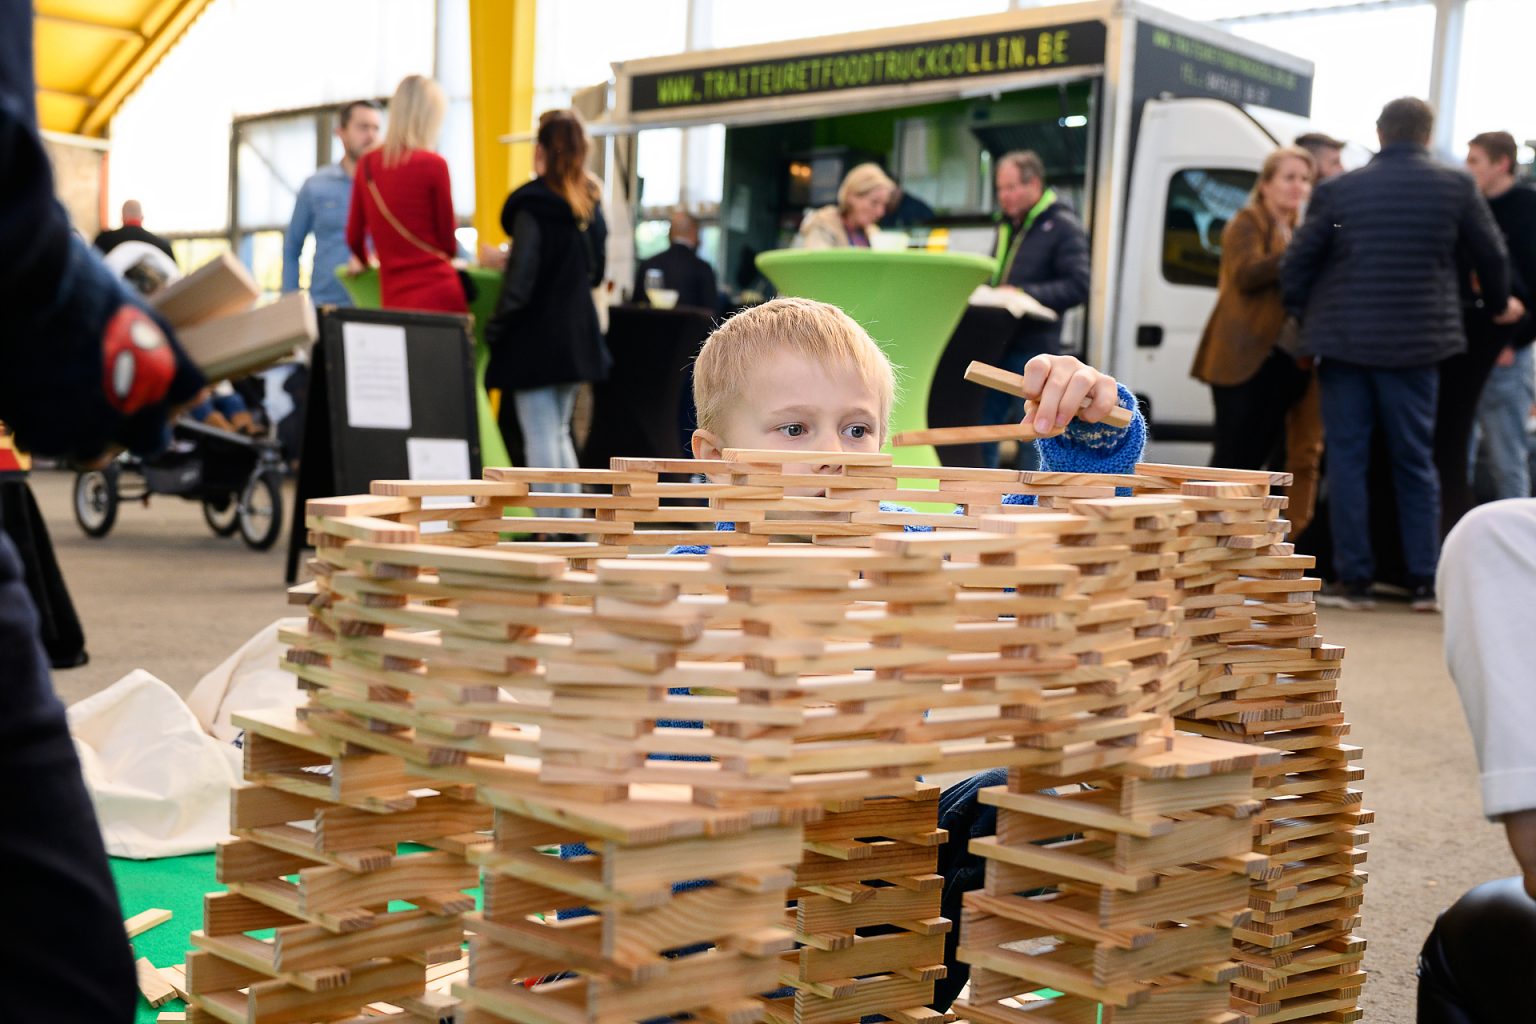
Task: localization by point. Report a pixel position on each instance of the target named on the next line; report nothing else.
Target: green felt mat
(176, 884)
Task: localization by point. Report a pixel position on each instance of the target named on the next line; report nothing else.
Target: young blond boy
(798, 374)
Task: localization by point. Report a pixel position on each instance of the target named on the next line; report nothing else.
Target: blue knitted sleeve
(1092, 448)
(1097, 447)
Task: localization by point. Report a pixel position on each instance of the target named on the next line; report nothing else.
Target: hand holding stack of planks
(214, 312)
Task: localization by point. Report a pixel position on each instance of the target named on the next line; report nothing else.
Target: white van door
(1195, 162)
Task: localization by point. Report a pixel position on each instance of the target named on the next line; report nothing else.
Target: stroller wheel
(259, 512)
(96, 501)
(223, 519)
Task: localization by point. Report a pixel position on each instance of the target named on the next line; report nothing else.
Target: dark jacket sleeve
(1483, 240)
(1242, 249)
(1308, 251)
(522, 266)
(597, 234)
(1073, 269)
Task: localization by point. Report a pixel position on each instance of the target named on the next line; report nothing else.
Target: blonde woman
(861, 201)
(401, 200)
(1253, 382)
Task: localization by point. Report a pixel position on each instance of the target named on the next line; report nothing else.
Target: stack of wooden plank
(867, 915)
(316, 856)
(212, 312)
(1266, 677)
(1124, 892)
(670, 725)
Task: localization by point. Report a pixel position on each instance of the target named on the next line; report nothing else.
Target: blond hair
(817, 330)
(415, 117)
(861, 181)
(1272, 165)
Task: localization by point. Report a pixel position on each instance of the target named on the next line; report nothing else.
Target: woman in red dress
(401, 200)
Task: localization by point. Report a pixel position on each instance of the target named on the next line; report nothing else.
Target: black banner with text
(963, 57)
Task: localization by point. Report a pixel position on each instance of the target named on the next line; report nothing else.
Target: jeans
(544, 416)
(67, 937)
(1401, 401)
(1475, 966)
(1502, 462)
(1001, 408)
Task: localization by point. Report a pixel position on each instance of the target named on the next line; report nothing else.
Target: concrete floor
(162, 593)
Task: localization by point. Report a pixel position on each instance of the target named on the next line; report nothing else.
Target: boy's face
(792, 402)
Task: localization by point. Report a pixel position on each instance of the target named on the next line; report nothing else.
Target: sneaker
(1354, 596)
(1422, 598)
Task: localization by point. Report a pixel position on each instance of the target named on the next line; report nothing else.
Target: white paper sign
(378, 382)
(436, 458)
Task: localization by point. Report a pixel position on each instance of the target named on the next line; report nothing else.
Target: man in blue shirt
(322, 205)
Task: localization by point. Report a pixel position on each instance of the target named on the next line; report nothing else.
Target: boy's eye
(793, 429)
(858, 431)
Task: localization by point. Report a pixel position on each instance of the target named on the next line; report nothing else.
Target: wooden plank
(232, 346)
(143, 921)
(219, 288)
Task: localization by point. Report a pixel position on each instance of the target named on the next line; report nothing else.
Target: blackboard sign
(978, 55)
(391, 397)
(1182, 65)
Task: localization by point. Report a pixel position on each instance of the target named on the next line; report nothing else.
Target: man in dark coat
(1041, 250)
(65, 315)
(1372, 273)
(681, 268)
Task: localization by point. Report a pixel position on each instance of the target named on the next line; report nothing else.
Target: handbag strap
(400, 228)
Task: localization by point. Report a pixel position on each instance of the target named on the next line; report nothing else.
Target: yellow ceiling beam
(501, 36)
(160, 32)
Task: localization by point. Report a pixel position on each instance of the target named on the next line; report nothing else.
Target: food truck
(1152, 126)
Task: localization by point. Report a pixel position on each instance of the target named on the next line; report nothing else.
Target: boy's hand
(1061, 387)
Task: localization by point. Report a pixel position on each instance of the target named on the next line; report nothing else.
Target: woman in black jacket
(545, 339)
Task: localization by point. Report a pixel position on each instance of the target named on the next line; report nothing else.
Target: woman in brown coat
(1254, 383)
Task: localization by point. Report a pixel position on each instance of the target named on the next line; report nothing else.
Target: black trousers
(1461, 384)
(64, 956)
(1476, 965)
(1250, 417)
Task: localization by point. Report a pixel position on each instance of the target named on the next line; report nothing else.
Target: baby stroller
(237, 478)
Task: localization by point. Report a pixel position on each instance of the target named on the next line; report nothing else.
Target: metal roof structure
(91, 54)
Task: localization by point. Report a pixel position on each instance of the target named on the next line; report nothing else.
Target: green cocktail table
(364, 290)
(909, 302)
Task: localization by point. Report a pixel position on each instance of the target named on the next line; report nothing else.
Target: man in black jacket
(1041, 250)
(1372, 275)
(681, 268)
(133, 230)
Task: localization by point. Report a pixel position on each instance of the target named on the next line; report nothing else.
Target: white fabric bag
(160, 784)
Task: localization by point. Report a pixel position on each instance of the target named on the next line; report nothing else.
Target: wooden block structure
(1266, 678)
(673, 745)
(1123, 892)
(316, 856)
(868, 866)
